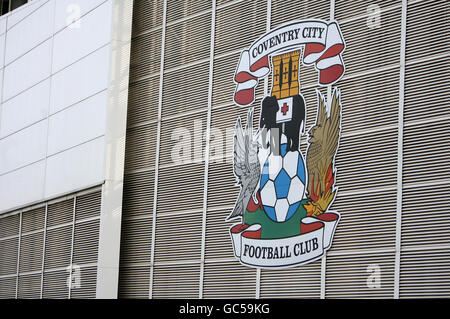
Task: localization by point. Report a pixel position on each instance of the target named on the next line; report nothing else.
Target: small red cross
(285, 108)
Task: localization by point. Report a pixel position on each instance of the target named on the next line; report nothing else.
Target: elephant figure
(291, 130)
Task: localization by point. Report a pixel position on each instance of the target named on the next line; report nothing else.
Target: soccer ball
(282, 184)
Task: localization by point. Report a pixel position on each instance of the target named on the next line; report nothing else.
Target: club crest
(285, 196)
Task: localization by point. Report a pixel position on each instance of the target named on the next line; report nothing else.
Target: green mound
(273, 230)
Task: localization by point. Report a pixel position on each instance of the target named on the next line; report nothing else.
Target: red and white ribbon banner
(315, 238)
(323, 44)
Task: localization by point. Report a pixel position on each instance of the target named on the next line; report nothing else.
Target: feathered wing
(245, 149)
(252, 145)
(239, 167)
(245, 163)
(324, 142)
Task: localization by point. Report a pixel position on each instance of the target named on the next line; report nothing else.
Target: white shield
(284, 113)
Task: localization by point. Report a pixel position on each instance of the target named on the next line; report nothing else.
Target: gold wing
(323, 144)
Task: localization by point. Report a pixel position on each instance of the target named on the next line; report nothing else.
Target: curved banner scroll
(316, 236)
(323, 43)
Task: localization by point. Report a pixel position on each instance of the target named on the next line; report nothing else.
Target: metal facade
(46, 247)
(392, 165)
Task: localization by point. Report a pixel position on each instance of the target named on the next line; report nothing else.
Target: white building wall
(54, 85)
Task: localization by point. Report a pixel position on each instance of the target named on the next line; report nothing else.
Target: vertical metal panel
(88, 206)
(424, 19)
(348, 9)
(229, 280)
(29, 286)
(143, 101)
(296, 282)
(31, 257)
(425, 274)
(136, 241)
(367, 160)
(218, 242)
(87, 287)
(369, 48)
(9, 226)
(426, 89)
(178, 281)
(239, 24)
(31, 252)
(285, 11)
(183, 130)
(222, 190)
(8, 287)
(138, 194)
(367, 221)
(60, 213)
(207, 149)
(8, 260)
(426, 148)
(58, 247)
(423, 266)
(178, 50)
(134, 282)
(141, 147)
(426, 216)
(85, 245)
(160, 103)
(145, 55)
(56, 285)
(178, 237)
(146, 15)
(185, 90)
(180, 188)
(33, 220)
(370, 101)
(223, 88)
(43, 251)
(348, 276)
(180, 9)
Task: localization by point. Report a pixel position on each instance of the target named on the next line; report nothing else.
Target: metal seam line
(72, 244)
(43, 251)
(60, 70)
(401, 104)
(323, 265)
(266, 92)
(323, 268)
(42, 119)
(18, 255)
(195, 15)
(49, 95)
(54, 31)
(21, 8)
(207, 147)
(3, 76)
(347, 253)
(53, 199)
(158, 141)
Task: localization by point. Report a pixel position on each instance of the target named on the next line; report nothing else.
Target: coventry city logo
(284, 200)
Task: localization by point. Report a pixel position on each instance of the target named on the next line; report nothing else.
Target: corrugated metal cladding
(39, 244)
(392, 165)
